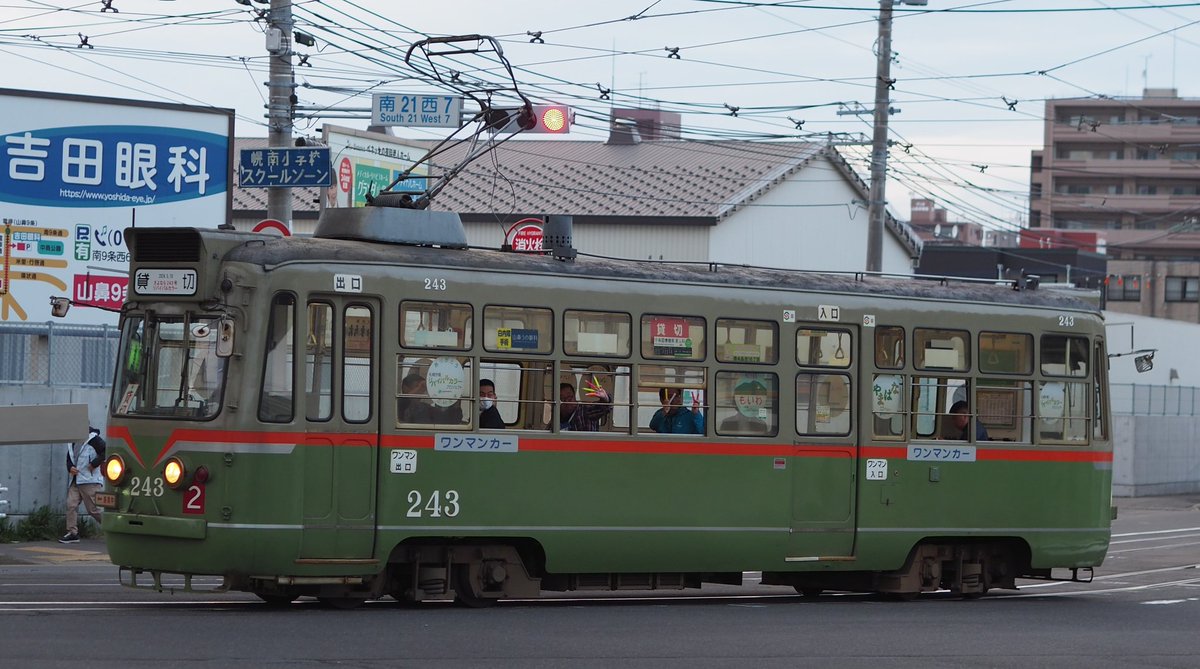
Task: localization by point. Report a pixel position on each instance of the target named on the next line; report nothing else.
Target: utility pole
(280, 101)
(877, 206)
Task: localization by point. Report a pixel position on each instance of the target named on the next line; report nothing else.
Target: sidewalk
(94, 550)
(52, 552)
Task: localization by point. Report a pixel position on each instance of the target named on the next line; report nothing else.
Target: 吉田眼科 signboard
(76, 171)
(284, 167)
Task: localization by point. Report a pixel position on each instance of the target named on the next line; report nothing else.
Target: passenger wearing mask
(489, 415)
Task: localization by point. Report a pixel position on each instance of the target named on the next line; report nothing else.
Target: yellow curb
(64, 554)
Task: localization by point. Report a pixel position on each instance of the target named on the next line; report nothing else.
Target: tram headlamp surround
(174, 472)
(114, 469)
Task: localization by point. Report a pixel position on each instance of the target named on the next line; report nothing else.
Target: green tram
(300, 416)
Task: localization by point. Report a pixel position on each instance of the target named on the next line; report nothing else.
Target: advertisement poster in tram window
(76, 171)
(366, 162)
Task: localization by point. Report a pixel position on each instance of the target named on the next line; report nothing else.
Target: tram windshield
(169, 367)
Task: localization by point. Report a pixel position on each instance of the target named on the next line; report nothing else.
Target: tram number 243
(436, 505)
(193, 496)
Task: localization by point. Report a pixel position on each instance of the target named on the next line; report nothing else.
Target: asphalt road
(60, 606)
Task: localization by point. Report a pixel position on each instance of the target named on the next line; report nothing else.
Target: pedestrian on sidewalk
(83, 464)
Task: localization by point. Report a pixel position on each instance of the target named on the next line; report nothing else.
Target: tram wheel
(465, 592)
(342, 603)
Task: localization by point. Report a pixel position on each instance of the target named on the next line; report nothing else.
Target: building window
(1182, 288)
(1127, 288)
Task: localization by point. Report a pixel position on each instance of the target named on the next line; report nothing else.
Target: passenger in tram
(489, 415)
(960, 414)
(673, 417)
(575, 416)
(415, 406)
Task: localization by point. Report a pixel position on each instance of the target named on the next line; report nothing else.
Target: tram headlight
(173, 472)
(114, 469)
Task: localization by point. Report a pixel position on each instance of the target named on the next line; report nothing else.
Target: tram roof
(271, 252)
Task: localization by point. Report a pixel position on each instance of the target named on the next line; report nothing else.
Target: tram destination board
(284, 167)
(419, 111)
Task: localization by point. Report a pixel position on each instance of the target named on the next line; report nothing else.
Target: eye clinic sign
(74, 169)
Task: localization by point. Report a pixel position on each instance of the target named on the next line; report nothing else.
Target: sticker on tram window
(876, 469)
(348, 283)
(516, 338)
(404, 461)
(164, 282)
(467, 443)
(193, 500)
(941, 453)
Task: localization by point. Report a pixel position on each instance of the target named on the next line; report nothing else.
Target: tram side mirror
(224, 338)
(59, 306)
(1144, 363)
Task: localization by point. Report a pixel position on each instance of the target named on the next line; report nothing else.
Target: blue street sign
(288, 168)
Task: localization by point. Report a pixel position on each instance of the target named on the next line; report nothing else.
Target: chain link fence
(56, 354)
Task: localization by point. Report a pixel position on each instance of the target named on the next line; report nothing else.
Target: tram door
(823, 471)
(342, 419)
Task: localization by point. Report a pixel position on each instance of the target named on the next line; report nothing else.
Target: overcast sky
(779, 62)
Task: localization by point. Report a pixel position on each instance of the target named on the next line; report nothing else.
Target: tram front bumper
(155, 526)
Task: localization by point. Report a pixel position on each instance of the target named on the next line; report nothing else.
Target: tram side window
(1006, 352)
(822, 404)
(746, 404)
(941, 349)
(586, 379)
(523, 391)
(318, 362)
(932, 398)
(666, 337)
(433, 391)
(889, 347)
(1100, 413)
(1005, 407)
(276, 394)
(687, 382)
(746, 341)
(435, 325)
(819, 347)
(358, 367)
(1063, 412)
(597, 333)
(518, 329)
(887, 392)
(1064, 355)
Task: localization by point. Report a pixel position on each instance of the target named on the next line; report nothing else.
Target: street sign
(285, 167)
(419, 111)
